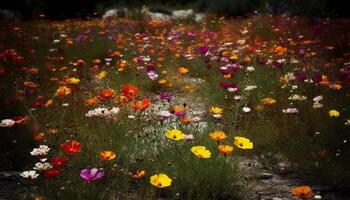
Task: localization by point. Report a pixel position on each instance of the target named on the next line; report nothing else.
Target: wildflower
(160, 180)
(250, 69)
(101, 75)
(290, 110)
(225, 149)
(41, 151)
(175, 134)
(73, 80)
(162, 81)
(140, 105)
(303, 192)
(243, 143)
(333, 113)
(107, 94)
(91, 102)
(186, 120)
(71, 147)
(130, 91)
(7, 123)
(63, 91)
(31, 174)
(42, 166)
(183, 70)
(91, 174)
(51, 173)
(246, 109)
(268, 101)
(165, 96)
(250, 87)
(164, 114)
(58, 161)
(201, 152)
(216, 112)
(189, 137)
(139, 174)
(107, 155)
(217, 135)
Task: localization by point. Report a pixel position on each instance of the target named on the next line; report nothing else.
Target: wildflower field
(176, 109)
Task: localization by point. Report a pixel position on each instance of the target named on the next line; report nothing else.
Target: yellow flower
(101, 75)
(217, 135)
(334, 113)
(160, 180)
(73, 80)
(175, 135)
(243, 143)
(183, 70)
(201, 152)
(225, 149)
(162, 81)
(63, 91)
(107, 155)
(216, 110)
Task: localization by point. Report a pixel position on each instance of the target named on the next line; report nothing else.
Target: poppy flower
(160, 180)
(107, 94)
(175, 135)
(243, 143)
(107, 155)
(217, 135)
(303, 192)
(58, 161)
(140, 105)
(139, 174)
(91, 174)
(225, 149)
(201, 152)
(71, 147)
(51, 173)
(130, 91)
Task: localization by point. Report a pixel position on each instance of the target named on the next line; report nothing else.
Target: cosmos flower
(41, 151)
(31, 174)
(130, 91)
(42, 166)
(107, 155)
(175, 134)
(58, 161)
(303, 192)
(139, 174)
(71, 147)
(107, 94)
(160, 180)
(290, 111)
(91, 174)
(243, 143)
(51, 173)
(7, 123)
(201, 152)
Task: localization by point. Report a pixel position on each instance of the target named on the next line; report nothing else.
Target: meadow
(172, 109)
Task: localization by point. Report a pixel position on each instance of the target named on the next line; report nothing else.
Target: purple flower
(165, 96)
(91, 174)
(203, 50)
(300, 77)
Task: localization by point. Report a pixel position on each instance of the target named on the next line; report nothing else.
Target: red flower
(107, 94)
(58, 161)
(71, 147)
(51, 173)
(130, 91)
(140, 105)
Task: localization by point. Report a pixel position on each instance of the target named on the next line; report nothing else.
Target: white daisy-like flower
(41, 151)
(217, 116)
(42, 166)
(246, 109)
(237, 97)
(31, 174)
(318, 98)
(250, 69)
(250, 87)
(7, 123)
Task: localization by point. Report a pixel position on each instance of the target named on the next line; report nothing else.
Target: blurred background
(63, 9)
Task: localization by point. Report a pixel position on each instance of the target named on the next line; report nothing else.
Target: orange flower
(303, 192)
(268, 101)
(107, 155)
(81, 63)
(183, 70)
(107, 94)
(217, 135)
(186, 120)
(71, 147)
(225, 149)
(91, 102)
(63, 91)
(130, 91)
(139, 174)
(39, 136)
(140, 105)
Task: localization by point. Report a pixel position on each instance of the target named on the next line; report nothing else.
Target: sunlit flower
(333, 113)
(139, 174)
(107, 94)
(71, 147)
(63, 91)
(225, 149)
(160, 180)
(303, 192)
(31, 174)
(91, 174)
(130, 91)
(201, 152)
(175, 134)
(243, 143)
(217, 135)
(107, 155)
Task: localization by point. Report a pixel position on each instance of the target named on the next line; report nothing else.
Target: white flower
(41, 151)
(217, 116)
(297, 97)
(246, 109)
(241, 42)
(294, 87)
(7, 123)
(42, 166)
(237, 97)
(290, 110)
(164, 114)
(318, 98)
(347, 122)
(29, 174)
(250, 69)
(250, 87)
(131, 116)
(196, 119)
(317, 105)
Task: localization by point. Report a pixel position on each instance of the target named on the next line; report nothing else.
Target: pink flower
(91, 175)
(189, 137)
(290, 110)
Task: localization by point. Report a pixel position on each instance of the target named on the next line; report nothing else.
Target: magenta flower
(91, 174)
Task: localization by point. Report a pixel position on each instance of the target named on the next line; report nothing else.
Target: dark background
(63, 9)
